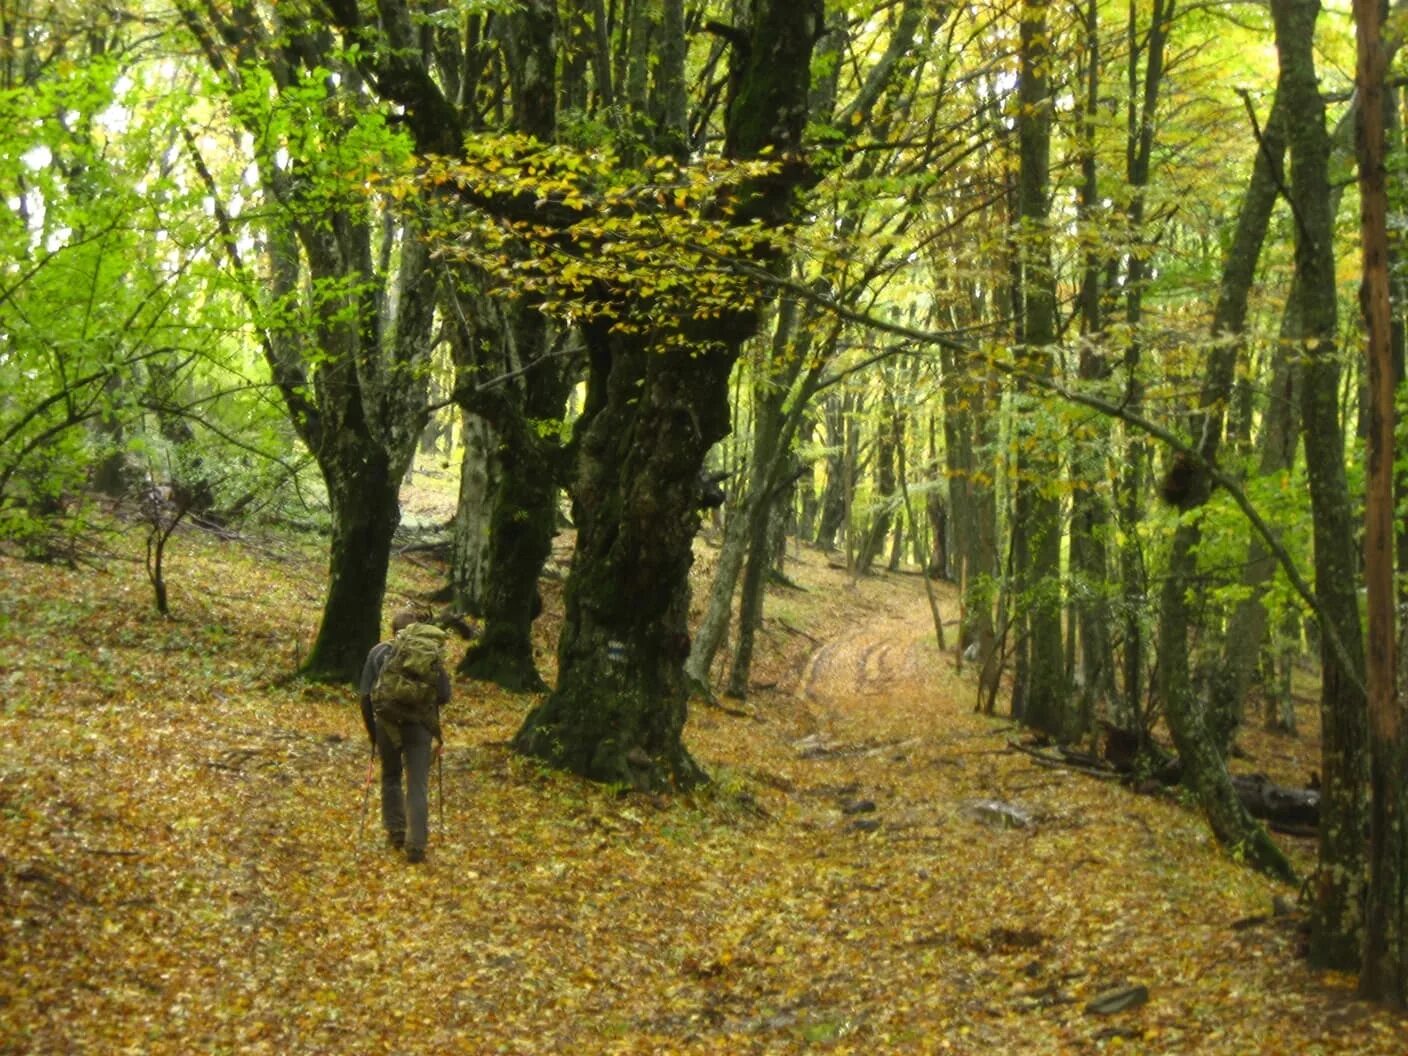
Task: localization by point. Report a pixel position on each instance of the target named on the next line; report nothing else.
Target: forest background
(1061, 306)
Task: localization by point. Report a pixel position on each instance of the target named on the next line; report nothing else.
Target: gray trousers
(406, 814)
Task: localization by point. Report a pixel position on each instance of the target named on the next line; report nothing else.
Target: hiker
(405, 732)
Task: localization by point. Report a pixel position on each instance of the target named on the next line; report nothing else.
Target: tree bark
(1037, 527)
(348, 361)
(968, 438)
(1384, 974)
(523, 504)
(504, 370)
(652, 413)
(779, 403)
(619, 709)
(1195, 729)
(886, 496)
(1337, 913)
(1090, 511)
(835, 409)
(480, 471)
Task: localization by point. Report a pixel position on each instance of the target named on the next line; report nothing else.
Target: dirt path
(882, 655)
(871, 678)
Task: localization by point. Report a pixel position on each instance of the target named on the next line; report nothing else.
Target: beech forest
(703, 527)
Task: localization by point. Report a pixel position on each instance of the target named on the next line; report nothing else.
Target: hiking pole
(440, 779)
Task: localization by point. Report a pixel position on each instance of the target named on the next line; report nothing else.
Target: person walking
(406, 741)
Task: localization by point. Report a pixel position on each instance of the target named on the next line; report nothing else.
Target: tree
(1040, 693)
(653, 409)
(798, 366)
(515, 374)
(1385, 961)
(346, 335)
(120, 366)
(1190, 722)
(1336, 919)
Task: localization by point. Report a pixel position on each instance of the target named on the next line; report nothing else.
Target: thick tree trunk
(653, 411)
(363, 490)
(507, 375)
(372, 415)
(619, 709)
(348, 357)
(522, 526)
(523, 505)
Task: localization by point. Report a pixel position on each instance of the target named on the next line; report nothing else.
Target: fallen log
(1294, 811)
(1291, 810)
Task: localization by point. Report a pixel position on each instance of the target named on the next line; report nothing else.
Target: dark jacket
(372, 668)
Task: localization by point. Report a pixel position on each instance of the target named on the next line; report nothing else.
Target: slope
(189, 861)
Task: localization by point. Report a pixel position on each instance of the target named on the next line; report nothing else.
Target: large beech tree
(346, 336)
(509, 381)
(653, 410)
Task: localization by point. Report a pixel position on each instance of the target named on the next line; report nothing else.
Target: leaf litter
(191, 860)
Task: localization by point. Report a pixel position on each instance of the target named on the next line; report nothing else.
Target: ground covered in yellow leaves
(189, 862)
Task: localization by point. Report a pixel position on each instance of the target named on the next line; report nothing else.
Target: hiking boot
(396, 840)
(415, 855)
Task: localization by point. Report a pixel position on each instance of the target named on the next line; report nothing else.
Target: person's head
(404, 619)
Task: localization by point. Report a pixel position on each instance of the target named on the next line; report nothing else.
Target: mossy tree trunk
(523, 503)
(1194, 726)
(504, 370)
(348, 351)
(619, 710)
(364, 439)
(653, 410)
(1337, 920)
(511, 377)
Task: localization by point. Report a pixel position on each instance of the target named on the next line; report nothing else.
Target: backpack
(408, 687)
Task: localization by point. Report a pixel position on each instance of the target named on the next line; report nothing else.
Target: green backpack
(408, 687)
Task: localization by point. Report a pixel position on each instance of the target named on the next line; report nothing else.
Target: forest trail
(882, 655)
(191, 863)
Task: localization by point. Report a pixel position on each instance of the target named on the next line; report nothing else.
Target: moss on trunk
(365, 513)
(621, 701)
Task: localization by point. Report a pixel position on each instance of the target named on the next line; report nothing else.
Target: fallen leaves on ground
(191, 860)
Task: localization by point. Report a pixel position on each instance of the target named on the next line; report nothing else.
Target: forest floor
(190, 861)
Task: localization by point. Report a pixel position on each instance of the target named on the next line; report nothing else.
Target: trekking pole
(440, 779)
